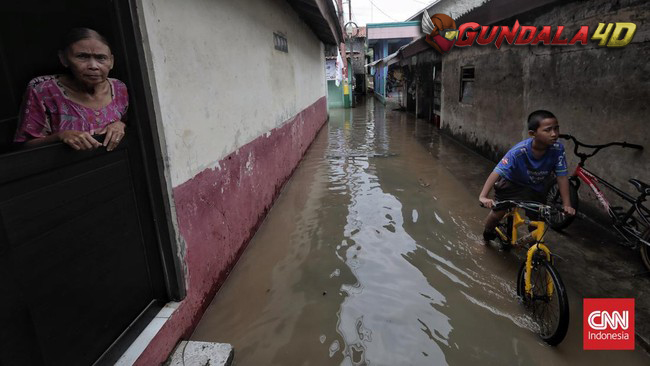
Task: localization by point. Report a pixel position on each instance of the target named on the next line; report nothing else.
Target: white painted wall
(218, 79)
(395, 32)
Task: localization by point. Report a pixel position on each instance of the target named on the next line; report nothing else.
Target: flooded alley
(372, 255)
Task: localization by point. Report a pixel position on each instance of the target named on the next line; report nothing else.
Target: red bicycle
(631, 224)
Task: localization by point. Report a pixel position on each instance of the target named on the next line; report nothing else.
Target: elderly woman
(73, 107)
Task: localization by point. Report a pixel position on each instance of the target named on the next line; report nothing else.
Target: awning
(415, 47)
(374, 63)
(393, 58)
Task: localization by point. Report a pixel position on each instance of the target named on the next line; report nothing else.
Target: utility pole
(350, 9)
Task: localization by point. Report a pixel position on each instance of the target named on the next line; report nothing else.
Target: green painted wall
(334, 94)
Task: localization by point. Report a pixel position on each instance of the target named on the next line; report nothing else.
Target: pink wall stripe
(219, 210)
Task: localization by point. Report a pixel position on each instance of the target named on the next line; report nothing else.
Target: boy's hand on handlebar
(486, 202)
(569, 210)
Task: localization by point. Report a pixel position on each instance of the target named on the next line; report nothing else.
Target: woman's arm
(35, 125)
(42, 141)
(78, 140)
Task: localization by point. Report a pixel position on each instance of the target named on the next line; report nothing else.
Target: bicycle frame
(626, 224)
(538, 235)
(618, 220)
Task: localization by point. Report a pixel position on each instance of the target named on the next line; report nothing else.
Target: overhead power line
(383, 12)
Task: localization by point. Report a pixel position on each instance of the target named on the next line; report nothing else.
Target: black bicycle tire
(563, 323)
(645, 250)
(556, 201)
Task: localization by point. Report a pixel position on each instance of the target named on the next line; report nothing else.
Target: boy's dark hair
(536, 117)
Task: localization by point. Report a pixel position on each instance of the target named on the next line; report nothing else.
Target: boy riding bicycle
(523, 171)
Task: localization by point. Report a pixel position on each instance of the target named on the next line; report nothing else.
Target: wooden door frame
(129, 38)
(147, 129)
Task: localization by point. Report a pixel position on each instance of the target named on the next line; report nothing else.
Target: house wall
(380, 51)
(598, 94)
(358, 59)
(335, 94)
(394, 30)
(235, 117)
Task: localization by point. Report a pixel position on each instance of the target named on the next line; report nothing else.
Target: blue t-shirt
(520, 166)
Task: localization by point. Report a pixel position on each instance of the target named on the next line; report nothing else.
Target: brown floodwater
(371, 255)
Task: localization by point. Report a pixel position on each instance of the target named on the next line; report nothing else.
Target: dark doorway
(437, 92)
(85, 251)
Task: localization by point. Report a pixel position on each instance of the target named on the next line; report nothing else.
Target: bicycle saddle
(642, 187)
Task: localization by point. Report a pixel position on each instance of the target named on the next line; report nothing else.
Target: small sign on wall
(280, 42)
(330, 69)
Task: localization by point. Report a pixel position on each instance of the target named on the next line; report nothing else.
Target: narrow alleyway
(372, 256)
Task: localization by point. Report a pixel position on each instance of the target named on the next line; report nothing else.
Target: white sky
(372, 11)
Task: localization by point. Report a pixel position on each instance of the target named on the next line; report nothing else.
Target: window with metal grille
(280, 42)
(466, 94)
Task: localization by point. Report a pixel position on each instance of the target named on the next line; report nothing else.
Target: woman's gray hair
(78, 34)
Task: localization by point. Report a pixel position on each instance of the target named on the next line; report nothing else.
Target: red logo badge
(608, 324)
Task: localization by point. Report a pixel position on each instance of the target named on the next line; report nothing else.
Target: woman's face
(89, 60)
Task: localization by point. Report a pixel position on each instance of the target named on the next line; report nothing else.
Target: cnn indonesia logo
(608, 324)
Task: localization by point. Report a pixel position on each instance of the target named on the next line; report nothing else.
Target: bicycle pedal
(506, 247)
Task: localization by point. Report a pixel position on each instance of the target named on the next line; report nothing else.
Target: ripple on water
(334, 347)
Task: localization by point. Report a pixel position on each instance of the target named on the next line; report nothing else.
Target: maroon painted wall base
(219, 210)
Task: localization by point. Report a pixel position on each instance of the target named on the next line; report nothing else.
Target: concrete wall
(235, 117)
(598, 94)
(220, 81)
(358, 44)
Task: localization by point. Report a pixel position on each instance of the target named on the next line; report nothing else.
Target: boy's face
(547, 133)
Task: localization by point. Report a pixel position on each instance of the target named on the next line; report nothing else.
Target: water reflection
(397, 309)
(371, 257)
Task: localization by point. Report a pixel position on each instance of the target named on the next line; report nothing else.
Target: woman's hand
(114, 133)
(78, 140)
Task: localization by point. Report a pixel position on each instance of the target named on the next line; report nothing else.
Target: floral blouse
(46, 110)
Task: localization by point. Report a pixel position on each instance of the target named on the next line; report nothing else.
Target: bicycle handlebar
(622, 144)
(530, 205)
(545, 210)
(584, 156)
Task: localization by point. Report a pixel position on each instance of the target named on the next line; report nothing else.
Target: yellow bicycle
(538, 282)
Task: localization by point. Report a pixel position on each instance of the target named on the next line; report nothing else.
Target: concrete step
(193, 353)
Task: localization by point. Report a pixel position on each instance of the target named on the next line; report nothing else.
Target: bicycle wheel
(550, 313)
(645, 250)
(554, 199)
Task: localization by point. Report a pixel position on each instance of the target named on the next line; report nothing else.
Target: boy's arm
(487, 187)
(563, 185)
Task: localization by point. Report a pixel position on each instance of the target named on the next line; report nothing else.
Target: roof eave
(320, 16)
